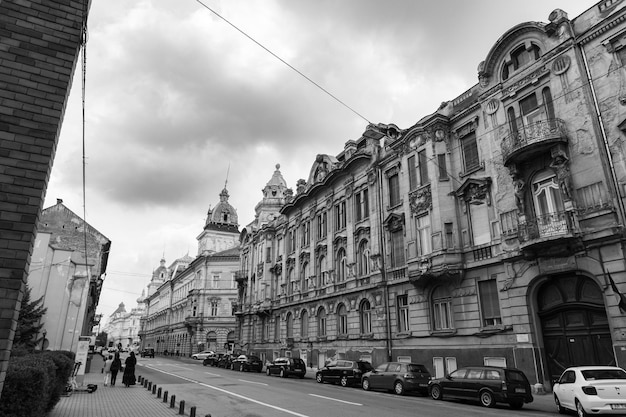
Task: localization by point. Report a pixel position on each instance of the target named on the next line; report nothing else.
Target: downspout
(383, 271)
(603, 132)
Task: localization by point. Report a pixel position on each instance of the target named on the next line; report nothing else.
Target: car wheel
(267, 371)
(580, 410)
(344, 381)
(366, 384)
(516, 404)
(486, 399)
(435, 392)
(282, 373)
(319, 378)
(559, 407)
(398, 388)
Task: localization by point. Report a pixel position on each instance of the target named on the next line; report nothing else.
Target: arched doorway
(211, 341)
(574, 323)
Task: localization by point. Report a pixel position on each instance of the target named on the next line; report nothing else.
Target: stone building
(189, 305)
(68, 282)
(489, 232)
(122, 327)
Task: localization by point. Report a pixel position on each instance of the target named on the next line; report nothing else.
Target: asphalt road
(226, 393)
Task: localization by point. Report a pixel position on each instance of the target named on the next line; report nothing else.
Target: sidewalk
(109, 401)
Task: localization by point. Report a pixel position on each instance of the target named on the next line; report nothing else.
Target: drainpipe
(383, 271)
(603, 132)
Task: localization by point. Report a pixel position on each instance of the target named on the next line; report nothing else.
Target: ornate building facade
(489, 232)
(189, 305)
(122, 327)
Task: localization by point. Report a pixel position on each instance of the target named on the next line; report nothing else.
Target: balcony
(549, 234)
(531, 139)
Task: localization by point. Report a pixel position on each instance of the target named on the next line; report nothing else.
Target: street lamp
(43, 341)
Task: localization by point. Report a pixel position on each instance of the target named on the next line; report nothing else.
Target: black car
(343, 372)
(397, 377)
(149, 352)
(225, 361)
(487, 384)
(213, 359)
(247, 363)
(286, 366)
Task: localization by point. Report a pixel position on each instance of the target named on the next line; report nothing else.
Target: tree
(29, 323)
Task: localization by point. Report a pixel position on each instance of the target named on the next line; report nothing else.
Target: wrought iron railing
(548, 225)
(532, 133)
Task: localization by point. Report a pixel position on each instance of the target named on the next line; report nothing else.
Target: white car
(591, 390)
(202, 355)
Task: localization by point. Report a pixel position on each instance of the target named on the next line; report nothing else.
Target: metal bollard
(145, 382)
(149, 386)
(159, 393)
(192, 412)
(173, 401)
(154, 388)
(181, 407)
(165, 397)
(139, 378)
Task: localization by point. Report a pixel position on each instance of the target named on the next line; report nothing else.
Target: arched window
(364, 258)
(304, 324)
(442, 309)
(321, 322)
(365, 315)
(211, 341)
(341, 265)
(321, 271)
(548, 204)
(289, 322)
(342, 319)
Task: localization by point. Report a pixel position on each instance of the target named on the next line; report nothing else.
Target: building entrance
(574, 324)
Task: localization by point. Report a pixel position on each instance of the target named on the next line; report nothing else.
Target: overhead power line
(284, 62)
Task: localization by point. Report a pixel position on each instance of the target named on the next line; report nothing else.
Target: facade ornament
(300, 186)
(519, 186)
(560, 164)
(420, 200)
(371, 177)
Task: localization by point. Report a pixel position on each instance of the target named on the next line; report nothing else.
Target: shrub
(64, 365)
(27, 386)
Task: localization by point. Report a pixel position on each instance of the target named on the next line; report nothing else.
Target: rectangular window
(361, 202)
(508, 222)
(322, 229)
(214, 305)
(321, 330)
(443, 169)
(340, 216)
(448, 228)
(216, 281)
(481, 228)
(292, 240)
(442, 312)
(412, 173)
(268, 254)
(394, 190)
(423, 167)
(422, 225)
(306, 234)
(489, 302)
(470, 153)
(403, 313)
(397, 248)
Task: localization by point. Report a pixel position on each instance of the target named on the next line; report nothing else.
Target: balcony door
(548, 204)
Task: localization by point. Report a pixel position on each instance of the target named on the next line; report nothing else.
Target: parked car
(397, 377)
(247, 363)
(286, 366)
(487, 384)
(225, 361)
(343, 372)
(212, 359)
(149, 352)
(202, 355)
(591, 390)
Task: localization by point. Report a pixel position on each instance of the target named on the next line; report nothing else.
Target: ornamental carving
(320, 249)
(371, 177)
(467, 128)
(277, 269)
(529, 79)
(420, 200)
(304, 257)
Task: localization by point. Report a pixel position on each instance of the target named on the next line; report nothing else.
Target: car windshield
(416, 368)
(253, 358)
(596, 374)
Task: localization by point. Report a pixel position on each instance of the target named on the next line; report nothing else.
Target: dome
(223, 215)
(277, 179)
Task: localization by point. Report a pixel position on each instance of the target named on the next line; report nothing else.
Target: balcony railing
(546, 226)
(543, 131)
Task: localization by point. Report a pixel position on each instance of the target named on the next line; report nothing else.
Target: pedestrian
(107, 369)
(115, 367)
(129, 370)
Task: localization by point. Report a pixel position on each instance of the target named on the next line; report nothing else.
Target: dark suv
(487, 384)
(147, 352)
(286, 366)
(247, 363)
(343, 372)
(397, 376)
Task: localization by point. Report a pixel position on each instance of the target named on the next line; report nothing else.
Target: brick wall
(39, 50)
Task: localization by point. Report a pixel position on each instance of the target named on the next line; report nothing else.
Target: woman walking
(129, 370)
(115, 368)
(107, 369)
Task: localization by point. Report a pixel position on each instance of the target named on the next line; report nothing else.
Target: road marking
(209, 373)
(284, 410)
(335, 399)
(252, 382)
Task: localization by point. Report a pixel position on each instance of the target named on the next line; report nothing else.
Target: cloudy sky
(176, 98)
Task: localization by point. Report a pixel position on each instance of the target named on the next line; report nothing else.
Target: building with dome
(122, 327)
(189, 304)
